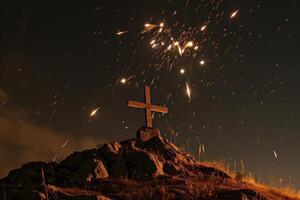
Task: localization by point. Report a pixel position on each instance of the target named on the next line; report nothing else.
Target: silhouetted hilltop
(133, 169)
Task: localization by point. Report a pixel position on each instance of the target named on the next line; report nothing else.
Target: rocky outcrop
(133, 169)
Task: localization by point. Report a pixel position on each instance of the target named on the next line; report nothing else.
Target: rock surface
(132, 169)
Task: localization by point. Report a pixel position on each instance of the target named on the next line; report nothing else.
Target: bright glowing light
(189, 44)
(179, 50)
(182, 71)
(121, 32)
(234, 14)
(275, 154)
(169, 47)
(196, 48)
(188, 90)
(94, 112)
(149, 27)
(202, 62)
(203, 28)
(123, 80)
(161, 24)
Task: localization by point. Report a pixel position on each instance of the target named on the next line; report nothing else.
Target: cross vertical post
(149, 108)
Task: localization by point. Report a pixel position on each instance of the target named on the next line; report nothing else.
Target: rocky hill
(133, 169)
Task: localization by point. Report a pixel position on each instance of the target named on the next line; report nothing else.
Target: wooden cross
(149, 108)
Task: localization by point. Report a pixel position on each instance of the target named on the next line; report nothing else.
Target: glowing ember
(169, 47)
(152, 42)
(188, 90)
(123, 80)
(202, 62)
(275, 154)
(234, 14)
(189, 44)
(203, 28)
(149, 27)
(94, 112)
(121, 32)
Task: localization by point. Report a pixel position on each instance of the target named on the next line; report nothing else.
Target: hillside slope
(132, 169)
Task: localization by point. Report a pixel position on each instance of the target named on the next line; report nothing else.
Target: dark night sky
(60, 60)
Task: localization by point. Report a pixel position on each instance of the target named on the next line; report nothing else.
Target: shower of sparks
(149, 27)
(188, 90)
(121, 32)
(94, 112)
(196, 51)
(234, 14)
(275, 154)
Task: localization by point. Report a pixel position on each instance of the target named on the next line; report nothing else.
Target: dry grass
(249, 179)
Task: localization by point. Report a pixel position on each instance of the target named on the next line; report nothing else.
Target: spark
(275, 154)
(188, 90)
(94, 112)
(203, 28)
(169, 47)
(161, 25)
(179, 48)
(182, 71)
(123, 80)
(189, 44)
(62, 146)
(202, 62)
(196, 48)
(149, 27)
(234, 14)
(65, 144)
(121, 32)
(154, 45)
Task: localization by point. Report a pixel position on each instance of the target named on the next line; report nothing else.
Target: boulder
(144, 134)
(169, 151)
(143, 165)
(88, 172)
(29, 175)
(114, 160)
(83, 168)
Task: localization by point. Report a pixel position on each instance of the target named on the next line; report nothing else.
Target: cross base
(146, 133)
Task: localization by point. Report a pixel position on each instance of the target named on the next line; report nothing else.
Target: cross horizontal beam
(149, 108)
(154, 108)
